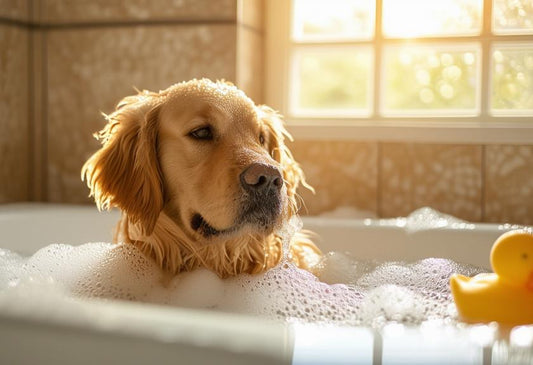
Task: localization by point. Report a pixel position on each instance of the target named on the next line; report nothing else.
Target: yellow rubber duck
(505, 296)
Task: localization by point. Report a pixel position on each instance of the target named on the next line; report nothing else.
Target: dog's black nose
(260, 178)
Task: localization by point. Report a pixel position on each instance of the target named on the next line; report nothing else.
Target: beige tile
(509, 184)
(249, 66)
(343, 174)
(251, 13)
(37, 107)
(444, 177)
(14, 147)
(91, 70)
(15, 9)
(61, 11)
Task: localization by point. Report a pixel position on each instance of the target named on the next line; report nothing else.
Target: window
(465, 64)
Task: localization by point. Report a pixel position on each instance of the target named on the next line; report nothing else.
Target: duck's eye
(203, 133)
(262, 139)
(525, 256)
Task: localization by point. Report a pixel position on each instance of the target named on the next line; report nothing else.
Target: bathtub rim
(177, 329)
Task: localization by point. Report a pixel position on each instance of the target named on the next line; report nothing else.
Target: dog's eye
(262, 139)
(204, 133)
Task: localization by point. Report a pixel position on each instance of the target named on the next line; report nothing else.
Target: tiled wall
(492, 183)
(62, 62)
(14, 105)
(65, 62)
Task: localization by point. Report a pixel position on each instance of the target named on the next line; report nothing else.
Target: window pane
(331, 81)
(422, 18)
(512, 79)
(424, 80)
(333, 19)
(512, 16)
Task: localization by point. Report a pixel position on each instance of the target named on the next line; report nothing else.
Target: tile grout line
(31, 119)
(44, 117)
(36, 25)
(376, 103)
(483, 182)
(379, 173)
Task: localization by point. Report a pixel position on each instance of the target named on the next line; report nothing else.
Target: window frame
(480, 128)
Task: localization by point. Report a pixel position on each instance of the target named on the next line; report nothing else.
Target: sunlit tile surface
(90, 70)
(342, 173)
(509, 184)
(60, 11)
(250, 61)
(444, 177)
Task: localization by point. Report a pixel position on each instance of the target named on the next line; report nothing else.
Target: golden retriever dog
(203, 179)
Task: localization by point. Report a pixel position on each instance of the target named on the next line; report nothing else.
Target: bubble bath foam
(387, 303)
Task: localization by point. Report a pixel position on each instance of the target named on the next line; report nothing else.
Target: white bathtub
(129, 333)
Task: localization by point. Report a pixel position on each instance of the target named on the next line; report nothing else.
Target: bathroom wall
(487, 183)
(14, 102)
(64, 62)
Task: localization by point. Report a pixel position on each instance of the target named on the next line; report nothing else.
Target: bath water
(344, 291)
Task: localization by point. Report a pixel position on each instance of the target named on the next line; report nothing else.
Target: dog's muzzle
(262, 186)
(261, 204)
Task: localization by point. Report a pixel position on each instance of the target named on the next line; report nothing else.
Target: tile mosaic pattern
(444, 177)
(342, 173)
(37, 115)
(14, 147)
(509, 184)
(61, 11)
(90, 70)
(15, 9)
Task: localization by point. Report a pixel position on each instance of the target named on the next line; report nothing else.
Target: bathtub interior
(103, 330)
(368, 239)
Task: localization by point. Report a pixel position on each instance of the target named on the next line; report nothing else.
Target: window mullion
(486, 35)
(471, 101)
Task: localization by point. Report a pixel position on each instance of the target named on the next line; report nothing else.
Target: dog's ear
(293, 175)
(125, 172)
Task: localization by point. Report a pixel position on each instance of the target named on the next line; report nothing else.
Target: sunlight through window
(423, 18)
(332, 81)
(428, 58)
(423, 79)
(512, 79)
(333, 19)
(512, 17)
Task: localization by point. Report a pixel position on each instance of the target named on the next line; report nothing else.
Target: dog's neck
(174, 251)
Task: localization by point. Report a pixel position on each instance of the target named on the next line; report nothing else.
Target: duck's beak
(529, 283)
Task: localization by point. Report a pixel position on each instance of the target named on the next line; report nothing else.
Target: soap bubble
(345, 291)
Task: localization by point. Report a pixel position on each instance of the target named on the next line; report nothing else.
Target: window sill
(421, 131)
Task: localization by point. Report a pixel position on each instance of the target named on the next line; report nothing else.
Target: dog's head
(203, 153)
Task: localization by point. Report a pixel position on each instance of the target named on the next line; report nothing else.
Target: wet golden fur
(151, 168)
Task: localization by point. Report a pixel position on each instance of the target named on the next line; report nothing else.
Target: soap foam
(349, 291)
(426, 218)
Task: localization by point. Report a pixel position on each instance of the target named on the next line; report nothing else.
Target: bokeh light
(433, 79)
